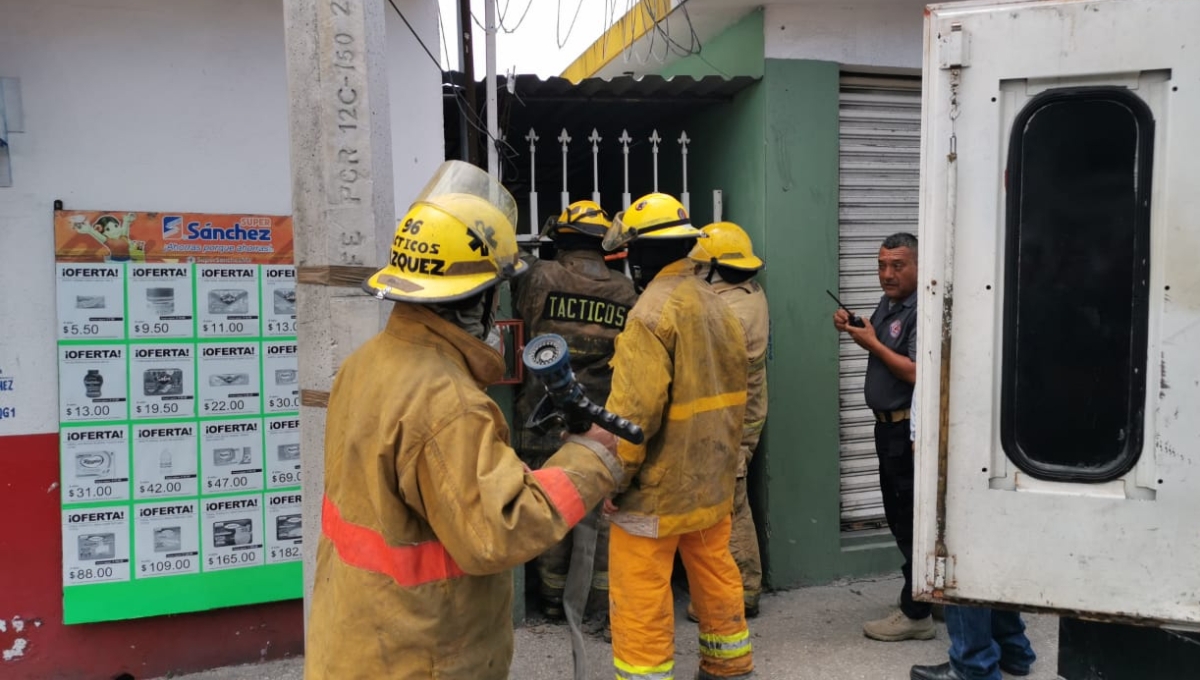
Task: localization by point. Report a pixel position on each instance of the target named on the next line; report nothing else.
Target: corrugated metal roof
(677, 88)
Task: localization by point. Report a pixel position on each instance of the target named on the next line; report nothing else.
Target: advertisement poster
(167, 539)
(96, 545)
(228, 300)
(91, 382)
(160, 301)
(179, 412)
(283, 527)
(229, 377)
(233, 532)
(91, 302)
(164, 381)
(164, 460)
(283, 452)
(95, 464)
(231, 456)
(114, 236)
(281, 371)
(279, 301)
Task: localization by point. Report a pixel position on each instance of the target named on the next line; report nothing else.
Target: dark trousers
(894, 448)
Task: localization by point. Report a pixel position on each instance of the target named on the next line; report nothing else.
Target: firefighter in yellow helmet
(680, 373)
(426, 508)
(577, 296)
(732, 268)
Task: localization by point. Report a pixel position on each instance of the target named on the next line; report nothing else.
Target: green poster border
(161, 595)
(205, 590)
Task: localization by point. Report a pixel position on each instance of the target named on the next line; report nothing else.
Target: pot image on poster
(91, 301)
(279, 300)
(167, 539)
(95, 545)
(164, 460)
(94, 464)
(163, 381)
(229, 378)
(232, 535)
(227, 298)
(160, 300)
(283, 452)
(281, 373)
(91, 383)
(231, 456)
(283, 527)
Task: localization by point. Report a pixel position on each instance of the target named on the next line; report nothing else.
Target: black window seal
(1134, 444)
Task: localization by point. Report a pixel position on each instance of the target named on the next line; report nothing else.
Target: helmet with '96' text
(456, 240)
(653, 216)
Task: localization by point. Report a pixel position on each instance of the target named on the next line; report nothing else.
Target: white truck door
(1059, 370)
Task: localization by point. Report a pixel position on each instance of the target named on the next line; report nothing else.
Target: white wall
(159, 105)
(872, 34)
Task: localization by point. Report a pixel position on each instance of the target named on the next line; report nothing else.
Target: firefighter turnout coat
(578, 297)
(680, 373)
(427, 508)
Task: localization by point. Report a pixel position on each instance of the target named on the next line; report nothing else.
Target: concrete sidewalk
(806, 634)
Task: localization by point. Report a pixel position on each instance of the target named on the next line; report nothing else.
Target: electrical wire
(500, 18)
(562, 41)
(442, 35)
(472, 117)
(501, 15)
(417, 36)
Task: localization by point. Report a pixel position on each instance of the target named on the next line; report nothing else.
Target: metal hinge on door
(942, 578)
(954, 48)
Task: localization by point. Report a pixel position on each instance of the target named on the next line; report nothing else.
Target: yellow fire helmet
(653, 216)
(581, 217)
(728, 245)
(456, 240)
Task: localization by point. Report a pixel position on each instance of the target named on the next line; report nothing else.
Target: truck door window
(1077, 260)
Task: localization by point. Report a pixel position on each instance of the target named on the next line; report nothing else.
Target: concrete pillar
(342, 203)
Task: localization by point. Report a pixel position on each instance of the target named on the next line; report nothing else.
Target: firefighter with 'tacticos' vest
(575, 295)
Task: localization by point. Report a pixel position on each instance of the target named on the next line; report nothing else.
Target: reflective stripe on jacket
(427, 508)
(680, 373)
(749, 305)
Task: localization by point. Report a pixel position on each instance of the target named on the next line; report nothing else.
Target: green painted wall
(801, 247)
(737, 51)
(774, 153)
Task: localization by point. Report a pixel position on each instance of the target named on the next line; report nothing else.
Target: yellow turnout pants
(642, 610)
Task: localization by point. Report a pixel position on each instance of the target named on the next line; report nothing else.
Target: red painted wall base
(31, 598)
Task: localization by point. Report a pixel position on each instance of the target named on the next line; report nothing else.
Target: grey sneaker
(897, 627)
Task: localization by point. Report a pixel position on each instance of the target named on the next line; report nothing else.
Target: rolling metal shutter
(880, 134)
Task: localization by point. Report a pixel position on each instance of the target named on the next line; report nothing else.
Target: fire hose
(566, 402)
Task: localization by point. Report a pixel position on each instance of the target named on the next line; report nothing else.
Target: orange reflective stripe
(409, 565)
(562, 493)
